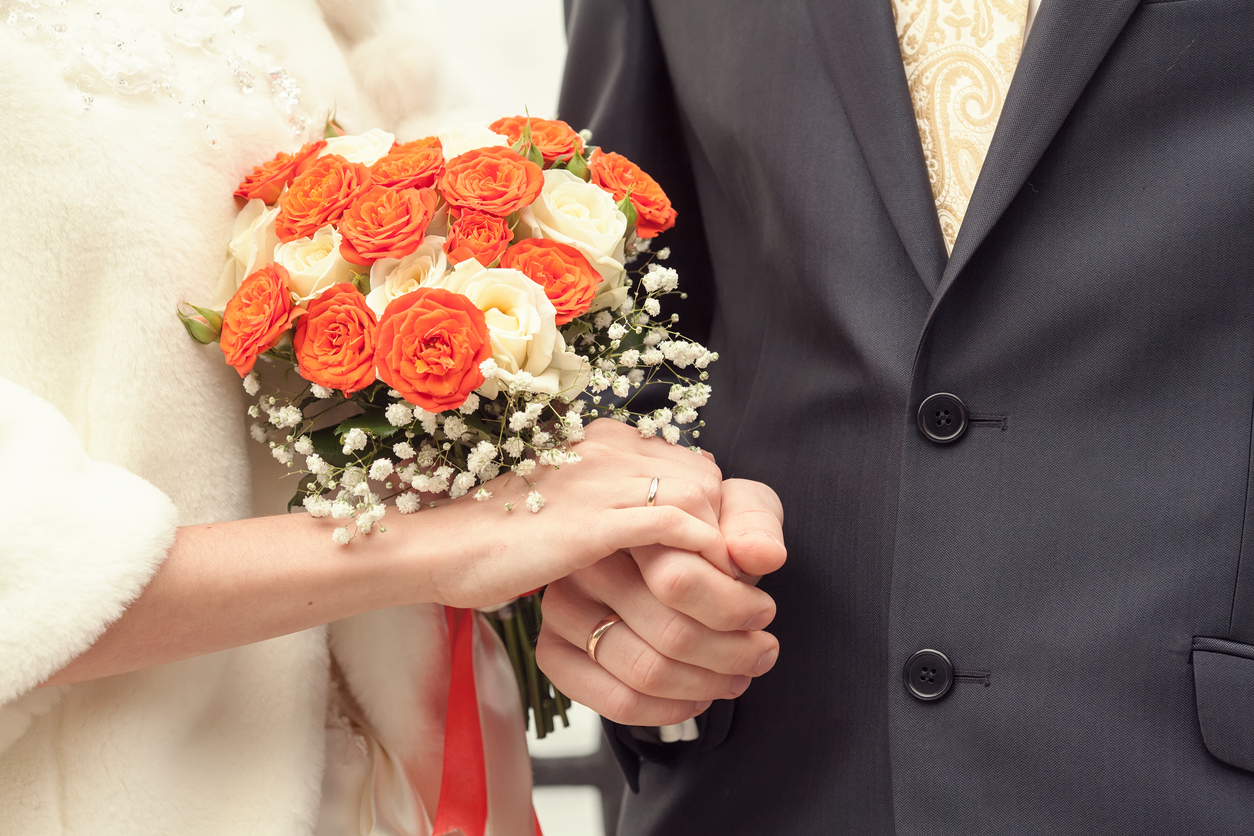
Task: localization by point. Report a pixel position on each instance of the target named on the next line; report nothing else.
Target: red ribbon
(463, 806)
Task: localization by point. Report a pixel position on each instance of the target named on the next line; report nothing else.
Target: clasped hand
(693, 621)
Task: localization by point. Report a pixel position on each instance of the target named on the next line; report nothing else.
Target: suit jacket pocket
(1223, 680)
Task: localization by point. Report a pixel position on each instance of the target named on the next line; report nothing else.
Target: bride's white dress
(126, 126)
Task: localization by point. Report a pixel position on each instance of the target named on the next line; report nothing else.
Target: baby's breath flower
(304, 445)
(317, 505)
(408, 502)
(652, 357)
(483, 495)
(513, 446)
(664, 253)
(471, 404)
(659, 279)
(602, 320)
(647, 426)
(427, 419)
(352, 477)
(535, 502)
(454, 427)
(398, 414)
(354, 440)
(321, 391)
(685, 415)
(254, 411)
(635, 377)
(462, 483)
(616, 331)
(577, 407)
(251, 384)
(522, 382)
(488, 368)
(652, 307)
(671, 433)
(629, 358)
(426, 456)
(598, 382)
(341, 510)
(481, 456)
(621, 386)
(403, 450)
(654, 337)
(489, 473)
(257, 431)
(282, 453)
(381, 469)
(341, 536)
(315, 465)
(367, 520)
(287, 416)
(525, 467)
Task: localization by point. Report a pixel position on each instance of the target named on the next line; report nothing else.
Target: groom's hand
(691, 632)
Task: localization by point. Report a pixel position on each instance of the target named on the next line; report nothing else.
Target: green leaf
(578, 166)
(629, 209)
(533, 154)
(361, 281)
(199, 331)
(372, 421)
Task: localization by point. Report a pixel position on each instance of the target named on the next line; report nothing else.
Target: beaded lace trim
(130, 47)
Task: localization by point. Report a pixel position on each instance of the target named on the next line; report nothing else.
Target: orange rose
(319, 196)
(495, 180)
(267, 180)
(477, 235)
(431, 342)
(385, 223)
(615, 173)
(334, 341)
(257, 316)
(414, 165)
(568, 279)
(554, 138)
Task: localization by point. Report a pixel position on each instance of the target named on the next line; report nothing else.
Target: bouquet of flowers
(452, 308)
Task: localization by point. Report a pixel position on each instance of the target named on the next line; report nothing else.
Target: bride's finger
(588, 683)
(697, 588)
(666, 525)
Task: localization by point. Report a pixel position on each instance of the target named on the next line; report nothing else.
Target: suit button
(942, 418)
(928, 675)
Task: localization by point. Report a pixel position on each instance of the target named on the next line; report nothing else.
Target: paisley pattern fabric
(960, 56)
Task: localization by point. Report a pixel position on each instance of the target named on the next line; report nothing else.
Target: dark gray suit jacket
(1084, 553)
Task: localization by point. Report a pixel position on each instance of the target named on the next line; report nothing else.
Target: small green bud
(199, 330)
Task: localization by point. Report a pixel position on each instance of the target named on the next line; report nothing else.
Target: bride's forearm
(229, 584)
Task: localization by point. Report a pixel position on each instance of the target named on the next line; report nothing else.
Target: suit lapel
(859, 41)
(1068, 41)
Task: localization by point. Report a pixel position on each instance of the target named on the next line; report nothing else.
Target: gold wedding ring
(648, 503)
(594, 638)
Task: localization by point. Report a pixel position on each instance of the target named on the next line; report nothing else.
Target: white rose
(586, 217)
(367, 148)
(314, 263)
(459, 139)
(523, 330)
(252, 247)
(392, 277)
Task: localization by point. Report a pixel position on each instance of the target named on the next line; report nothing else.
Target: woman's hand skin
(229, 584)
(690, 633)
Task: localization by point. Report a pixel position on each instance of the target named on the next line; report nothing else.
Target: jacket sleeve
(616, 84)
(80, 540)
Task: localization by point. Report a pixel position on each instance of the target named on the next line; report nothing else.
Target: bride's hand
(593, 508)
